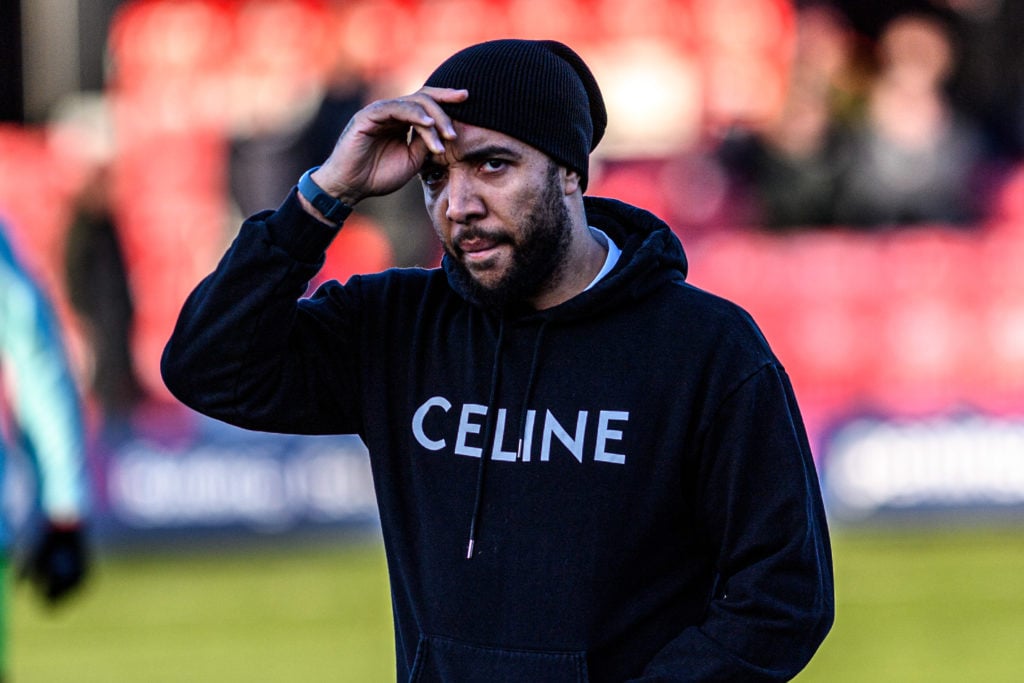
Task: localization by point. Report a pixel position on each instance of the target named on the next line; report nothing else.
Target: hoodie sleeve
(43, 396)
(248, 349)
(773, 603)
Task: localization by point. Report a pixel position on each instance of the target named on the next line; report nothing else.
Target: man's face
(498, 206)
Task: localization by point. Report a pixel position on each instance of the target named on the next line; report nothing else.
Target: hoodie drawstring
(488, 435)
(529, 390)
(492, 419)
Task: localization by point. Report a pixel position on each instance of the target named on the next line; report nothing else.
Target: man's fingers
(399, 112)
(386, 141)
(444, 94)
(393, 118)
(430, 137)
(430, 99)
(422, 111)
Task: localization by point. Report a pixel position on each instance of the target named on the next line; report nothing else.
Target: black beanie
(537, 91)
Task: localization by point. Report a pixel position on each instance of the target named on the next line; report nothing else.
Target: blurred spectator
(265, 160)
(989, 80)
(282, 137)
(832, 54)
(262, 162)
(789, 168)
(39, 404)
(99, 292)
(915, 157)
(345, 93)
(284, 121)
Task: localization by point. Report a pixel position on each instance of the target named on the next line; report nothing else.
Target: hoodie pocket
(441, 660)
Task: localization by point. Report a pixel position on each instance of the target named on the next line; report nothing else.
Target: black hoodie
(647, 507)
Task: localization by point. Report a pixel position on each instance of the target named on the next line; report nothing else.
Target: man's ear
(570, 181)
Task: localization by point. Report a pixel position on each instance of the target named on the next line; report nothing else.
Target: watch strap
(332, 208)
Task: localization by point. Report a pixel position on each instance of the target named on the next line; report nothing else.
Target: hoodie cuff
(301, 235)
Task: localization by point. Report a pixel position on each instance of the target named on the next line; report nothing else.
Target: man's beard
(537, 257)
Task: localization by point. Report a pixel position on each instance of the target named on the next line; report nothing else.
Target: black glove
(59, 562)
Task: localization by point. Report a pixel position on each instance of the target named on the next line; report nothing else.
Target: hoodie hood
(651, 256)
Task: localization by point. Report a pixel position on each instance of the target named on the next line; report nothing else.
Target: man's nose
(464, 201)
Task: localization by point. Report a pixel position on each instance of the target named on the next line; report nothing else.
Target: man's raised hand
(376, 155)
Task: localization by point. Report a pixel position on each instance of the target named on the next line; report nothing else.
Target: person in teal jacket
(40, 411)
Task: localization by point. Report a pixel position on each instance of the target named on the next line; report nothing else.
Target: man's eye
(432, 176)
(495, 164)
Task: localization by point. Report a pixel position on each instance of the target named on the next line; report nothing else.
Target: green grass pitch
(913, 605)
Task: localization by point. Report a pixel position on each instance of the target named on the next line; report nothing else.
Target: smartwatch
(332, 208)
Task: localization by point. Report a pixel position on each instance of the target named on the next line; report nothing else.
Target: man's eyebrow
(474, 156)
(491, 151)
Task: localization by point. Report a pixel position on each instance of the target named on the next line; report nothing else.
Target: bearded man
(586, 468)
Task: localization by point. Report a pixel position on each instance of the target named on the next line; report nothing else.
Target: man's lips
(478, 247)
(477, 244)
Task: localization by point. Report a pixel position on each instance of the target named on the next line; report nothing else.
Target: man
(39, 403)
(586, 469)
